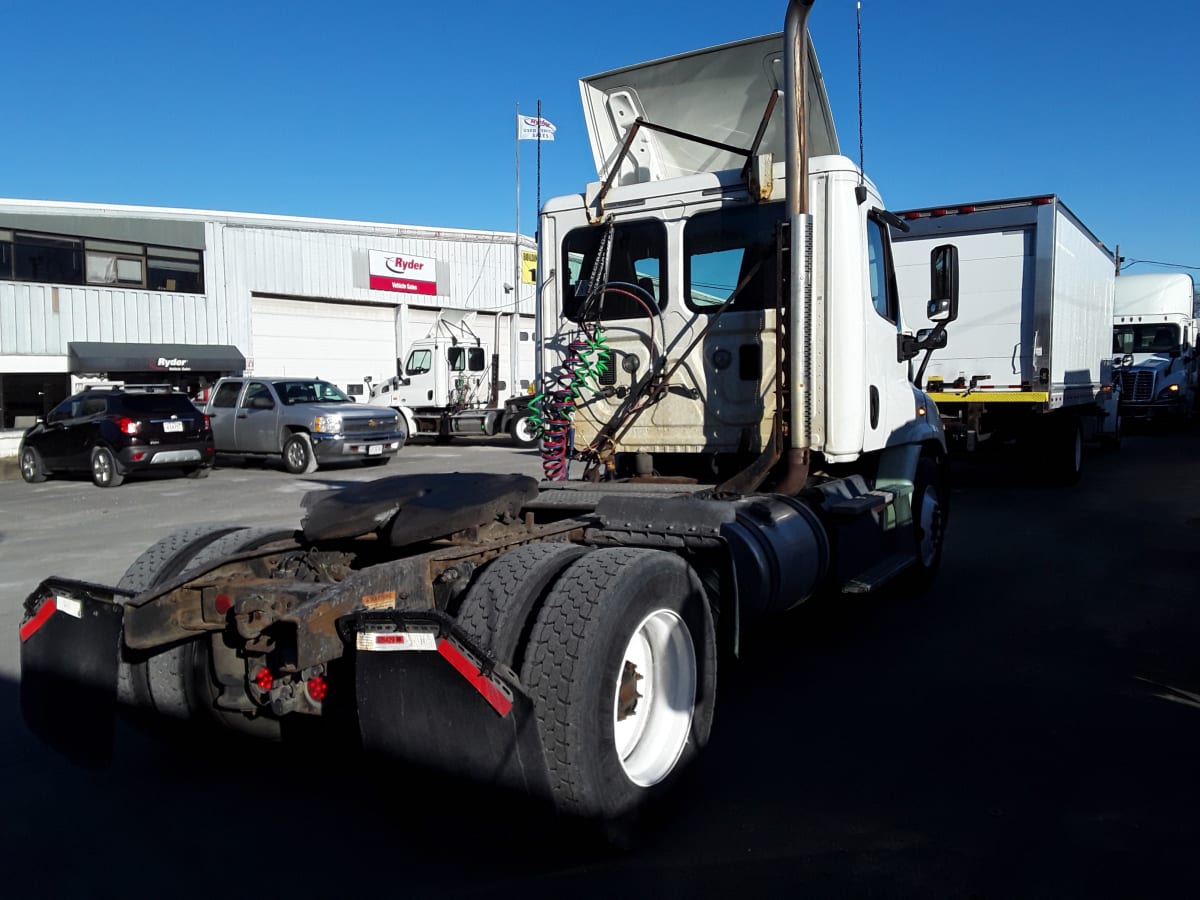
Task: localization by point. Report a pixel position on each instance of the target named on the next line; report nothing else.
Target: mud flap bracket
(424, 694)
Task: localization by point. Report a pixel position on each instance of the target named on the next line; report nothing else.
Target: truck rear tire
(621, 666)
(497, 607)
(298, 456)
(523, 431)
(1066, 451)
(155, 681)
(173, 682)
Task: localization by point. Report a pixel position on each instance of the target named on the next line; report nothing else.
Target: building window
(46, 258)
(168, 269)
(108, 263)
(63, 259)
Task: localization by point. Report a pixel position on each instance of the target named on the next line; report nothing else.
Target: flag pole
(538, 208)
(517, 229)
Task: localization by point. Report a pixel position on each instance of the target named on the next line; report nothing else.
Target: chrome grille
(1137, 387)
(369, 424)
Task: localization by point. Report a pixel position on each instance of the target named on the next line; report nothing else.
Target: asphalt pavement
(1027, 727)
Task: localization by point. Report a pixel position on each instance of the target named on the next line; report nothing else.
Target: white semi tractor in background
(729, 372)
(1154, 346)
(1029, 362)
(450, 385)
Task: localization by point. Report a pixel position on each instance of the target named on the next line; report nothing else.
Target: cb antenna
(860, 192)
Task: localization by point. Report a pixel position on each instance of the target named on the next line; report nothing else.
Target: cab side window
(879, 270)
(258, 391)
(418, 363)
(227, 394)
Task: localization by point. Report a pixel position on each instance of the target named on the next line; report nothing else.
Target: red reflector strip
(467, 670)
(45, 611)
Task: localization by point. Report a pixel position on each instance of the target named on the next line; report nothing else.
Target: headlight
(1170, 392)
(327, 424)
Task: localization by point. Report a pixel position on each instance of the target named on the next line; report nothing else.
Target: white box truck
(760, 441)
(450, 385)
(1154, 346)
(1029, 360)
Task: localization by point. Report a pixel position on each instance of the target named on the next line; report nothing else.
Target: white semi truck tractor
(1154, 346)
(730, 428)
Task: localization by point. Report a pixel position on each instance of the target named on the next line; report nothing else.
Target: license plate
(375, 450)
(172, 426)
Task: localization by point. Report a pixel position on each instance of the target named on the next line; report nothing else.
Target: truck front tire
(930, 513)
(621, 666)
(298, 456)
(523, 431)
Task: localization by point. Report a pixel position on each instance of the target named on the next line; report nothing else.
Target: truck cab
(1154, 346)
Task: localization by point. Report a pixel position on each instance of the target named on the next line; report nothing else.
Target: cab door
(256, 429)
(890, 399)
(222, 413)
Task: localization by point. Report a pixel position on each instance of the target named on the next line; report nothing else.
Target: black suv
(113, 431)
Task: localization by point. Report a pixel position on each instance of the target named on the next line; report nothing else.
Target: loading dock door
(339, 342)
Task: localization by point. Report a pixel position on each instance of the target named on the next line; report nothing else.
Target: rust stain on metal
(382, 600)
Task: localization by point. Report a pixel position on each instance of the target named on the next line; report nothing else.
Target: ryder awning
(92, 356)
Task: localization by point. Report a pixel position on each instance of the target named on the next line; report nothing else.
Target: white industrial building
(150, 295)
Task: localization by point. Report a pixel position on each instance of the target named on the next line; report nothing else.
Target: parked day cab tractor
(450, 385)
(726, 372)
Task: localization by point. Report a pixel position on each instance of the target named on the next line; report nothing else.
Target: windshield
(309, 391)
(1158, 338)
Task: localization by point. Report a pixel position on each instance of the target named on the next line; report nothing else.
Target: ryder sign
(402, 273)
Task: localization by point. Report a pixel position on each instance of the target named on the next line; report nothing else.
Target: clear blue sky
(404, 112)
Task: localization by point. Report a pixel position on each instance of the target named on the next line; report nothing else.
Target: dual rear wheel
(620, 661)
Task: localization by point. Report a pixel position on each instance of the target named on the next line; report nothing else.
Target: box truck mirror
(932, 338)
(943, 292)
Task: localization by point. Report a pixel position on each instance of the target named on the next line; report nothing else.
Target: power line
(1150, 262)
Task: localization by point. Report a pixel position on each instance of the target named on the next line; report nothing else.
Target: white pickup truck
(306, 421)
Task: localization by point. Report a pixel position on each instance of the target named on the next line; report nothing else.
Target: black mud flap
(424, 694)
(70, 651)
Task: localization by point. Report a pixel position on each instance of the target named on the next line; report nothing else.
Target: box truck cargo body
(1029, 358)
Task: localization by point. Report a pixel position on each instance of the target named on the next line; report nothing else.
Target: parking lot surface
(1028, 727)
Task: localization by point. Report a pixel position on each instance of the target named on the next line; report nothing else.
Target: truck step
(852, 507)
(879, 574)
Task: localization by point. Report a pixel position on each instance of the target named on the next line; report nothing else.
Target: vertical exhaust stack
(795, 51)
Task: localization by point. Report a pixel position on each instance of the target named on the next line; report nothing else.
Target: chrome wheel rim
(102, 469)
(28, 465)
(655, 697)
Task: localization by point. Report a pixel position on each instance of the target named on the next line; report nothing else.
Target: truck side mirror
(932, 338)
(943, 283)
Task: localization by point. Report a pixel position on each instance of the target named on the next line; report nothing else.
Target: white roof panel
(720, 93)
